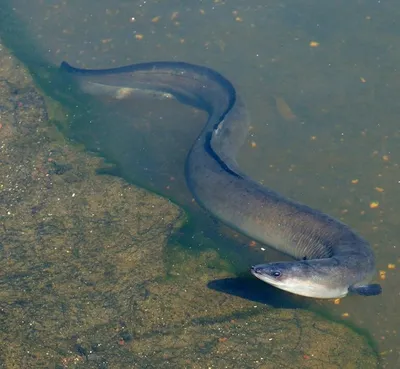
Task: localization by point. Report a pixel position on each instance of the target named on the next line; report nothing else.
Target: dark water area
(320, 80)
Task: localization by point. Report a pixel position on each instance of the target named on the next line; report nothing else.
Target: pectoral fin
(367, 290)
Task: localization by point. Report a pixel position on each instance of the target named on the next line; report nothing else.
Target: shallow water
(320, 81)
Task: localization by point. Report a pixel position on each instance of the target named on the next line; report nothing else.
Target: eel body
(331, 259)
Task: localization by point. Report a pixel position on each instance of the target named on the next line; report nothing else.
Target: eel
(331, 260)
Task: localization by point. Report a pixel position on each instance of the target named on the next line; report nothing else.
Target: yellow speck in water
(345, 315)
(313, 138)
(385, 157)
(374, 204)
(202, 12)
(382, 274)
(123, 92)
(139, 36)
(363, 80)
(314, 44)
(106, 40)
(156, 19)
(379, 189)
(238, 19)
(354, 181)
(174, 15)
(391, 266)
(336, 301)
(253, 144)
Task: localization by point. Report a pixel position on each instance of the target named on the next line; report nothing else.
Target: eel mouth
(263, 274)
(256, 270)
(261, 270)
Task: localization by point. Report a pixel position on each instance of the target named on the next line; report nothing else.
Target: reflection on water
(332, 64)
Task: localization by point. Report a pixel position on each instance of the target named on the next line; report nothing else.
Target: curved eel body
(332, 260)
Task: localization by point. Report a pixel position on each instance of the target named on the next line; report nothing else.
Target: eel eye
(276, 274)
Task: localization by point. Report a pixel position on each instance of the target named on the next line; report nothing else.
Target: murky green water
(333, 64)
